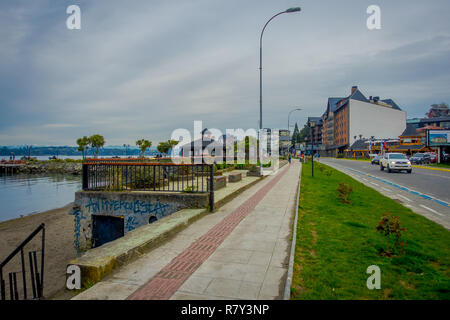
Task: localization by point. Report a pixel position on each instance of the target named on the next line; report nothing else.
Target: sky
(143, 68)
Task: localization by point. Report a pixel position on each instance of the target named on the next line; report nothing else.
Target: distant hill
(71, 151)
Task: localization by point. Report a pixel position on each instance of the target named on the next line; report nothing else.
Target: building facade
(356, 117)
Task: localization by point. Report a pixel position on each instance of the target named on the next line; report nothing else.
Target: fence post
(211, 188)
(85, 177)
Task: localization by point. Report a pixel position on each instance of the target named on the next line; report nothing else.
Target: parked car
(395, 161)
(420, 158)
(433, 156)
(445, 156)
(376, 159)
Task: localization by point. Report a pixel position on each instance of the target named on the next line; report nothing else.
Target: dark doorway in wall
(106, 229)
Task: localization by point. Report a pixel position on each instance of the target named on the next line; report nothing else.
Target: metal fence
(138, 176)
(34, 277)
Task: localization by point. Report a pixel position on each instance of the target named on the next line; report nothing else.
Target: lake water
(28, 194)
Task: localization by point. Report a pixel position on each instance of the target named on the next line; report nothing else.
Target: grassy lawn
(440, 165)
(336, 242)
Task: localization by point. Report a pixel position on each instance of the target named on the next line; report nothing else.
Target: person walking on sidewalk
(290, 158)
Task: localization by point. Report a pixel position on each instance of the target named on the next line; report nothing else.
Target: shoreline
(59, 246)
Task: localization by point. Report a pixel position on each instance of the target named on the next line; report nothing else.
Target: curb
(287, 287)
(430, 168)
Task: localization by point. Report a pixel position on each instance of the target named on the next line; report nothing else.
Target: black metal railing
(35, 278)
(138, 176)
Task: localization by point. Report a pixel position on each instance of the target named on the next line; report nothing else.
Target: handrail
(37, 279)
(142, 163)
(24, 242)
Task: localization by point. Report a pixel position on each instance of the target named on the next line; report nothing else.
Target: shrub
(190, 189)
(391, 229)
(344, 191)
(340, 155)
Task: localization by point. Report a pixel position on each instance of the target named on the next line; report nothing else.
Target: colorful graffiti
(77, 230)
(97, 205)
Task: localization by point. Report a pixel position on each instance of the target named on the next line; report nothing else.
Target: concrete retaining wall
(135, 208)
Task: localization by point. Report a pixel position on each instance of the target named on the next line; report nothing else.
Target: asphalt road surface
(426, 192)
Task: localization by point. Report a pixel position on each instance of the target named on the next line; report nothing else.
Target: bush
(190, 189)
(344, 191)
(340, 155)
(390, 227)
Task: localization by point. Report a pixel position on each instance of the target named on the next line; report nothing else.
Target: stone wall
(51, 167)
(136, 209)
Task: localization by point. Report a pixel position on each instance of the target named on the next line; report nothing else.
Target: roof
(360, 144)
(332, 103)
(407, 147)
(410, 131)
(317, 120)
(436, 119)
(392, 103)
(356, 95)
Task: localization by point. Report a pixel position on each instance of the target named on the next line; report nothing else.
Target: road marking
(429, 209)
(364, 179)
(375, 184)
(345, 170)
(407, 199)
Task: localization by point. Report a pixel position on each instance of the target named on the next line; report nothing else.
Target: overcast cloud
(142, 68)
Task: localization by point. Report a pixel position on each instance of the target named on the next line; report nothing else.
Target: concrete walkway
(239, 252)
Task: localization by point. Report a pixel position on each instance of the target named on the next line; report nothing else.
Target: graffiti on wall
(135, 213)
(77, 230)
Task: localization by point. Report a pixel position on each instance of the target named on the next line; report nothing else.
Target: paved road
(426, 192)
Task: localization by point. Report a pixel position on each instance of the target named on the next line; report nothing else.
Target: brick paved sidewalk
(239, 252)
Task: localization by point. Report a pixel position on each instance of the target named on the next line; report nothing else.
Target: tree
(143, 145)
(438, 110)
(96, 141)
(165, 146)
(301, 137)
(83, 145)
(295, 135)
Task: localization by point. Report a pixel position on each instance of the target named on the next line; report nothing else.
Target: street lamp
(290, 10)
(312, 124)
(298, 109)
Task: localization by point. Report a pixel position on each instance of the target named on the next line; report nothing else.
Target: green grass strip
(336, 242)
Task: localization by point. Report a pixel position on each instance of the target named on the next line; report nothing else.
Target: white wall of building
(374, 120)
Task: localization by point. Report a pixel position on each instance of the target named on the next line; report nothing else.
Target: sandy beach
(59, 250)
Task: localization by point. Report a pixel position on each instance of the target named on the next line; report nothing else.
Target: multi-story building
(348, 118)
(284, 140)
(442, 122)
(314, 137)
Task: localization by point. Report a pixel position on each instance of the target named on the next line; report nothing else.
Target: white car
(395, 161)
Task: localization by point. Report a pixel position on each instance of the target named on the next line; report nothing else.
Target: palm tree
(96, 141)
(83, 145)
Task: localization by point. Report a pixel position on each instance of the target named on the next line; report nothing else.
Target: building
(351, 118)
(284, 141)
(409, 142)
(314, 143)
(441, 122)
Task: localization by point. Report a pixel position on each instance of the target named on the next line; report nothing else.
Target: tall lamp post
(312, 124)
(290, 10)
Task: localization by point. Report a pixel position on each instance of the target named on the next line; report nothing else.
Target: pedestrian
(289, 158)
